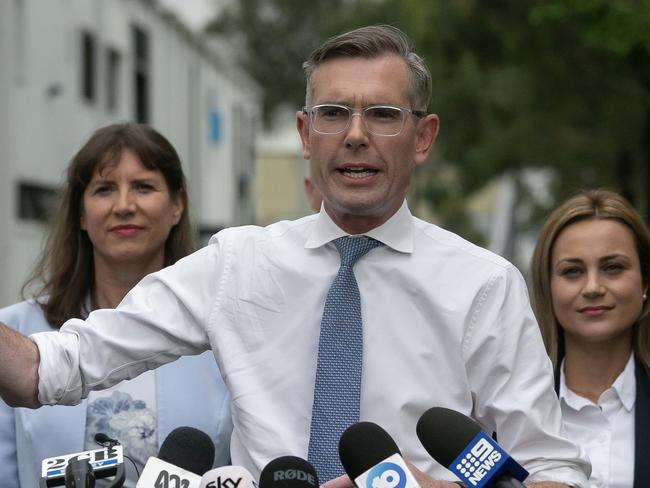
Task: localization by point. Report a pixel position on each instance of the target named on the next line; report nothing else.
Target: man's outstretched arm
(19, 360)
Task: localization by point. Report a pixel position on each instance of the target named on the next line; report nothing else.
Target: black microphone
(458, 443)
(188, 448)
(79, 474)
(289, 472)
(371, 458)
(184, 456)
(103, 440)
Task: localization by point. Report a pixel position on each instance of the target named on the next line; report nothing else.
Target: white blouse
(605, 430)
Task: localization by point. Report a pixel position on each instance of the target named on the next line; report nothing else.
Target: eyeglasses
(380, 120)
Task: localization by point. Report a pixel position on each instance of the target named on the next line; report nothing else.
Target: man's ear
(302, 124)
(427, 132)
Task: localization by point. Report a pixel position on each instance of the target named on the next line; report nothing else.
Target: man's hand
(423, 480)
(546, 484)
(427, 482)
(19, 360)
(340, 482)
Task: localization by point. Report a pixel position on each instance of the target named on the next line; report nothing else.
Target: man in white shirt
(444, 322)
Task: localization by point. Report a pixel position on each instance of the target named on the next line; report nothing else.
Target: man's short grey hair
(371, 42)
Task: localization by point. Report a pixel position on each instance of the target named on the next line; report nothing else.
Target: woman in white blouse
(591, 269)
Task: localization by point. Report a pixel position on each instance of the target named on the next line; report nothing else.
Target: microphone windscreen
(289, 472)
(188, 448)
(445, 433)
(102, 438)
(362, 446)
(79, 474)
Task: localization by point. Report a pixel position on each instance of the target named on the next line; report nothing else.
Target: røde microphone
(371, 458)
(185, 454)
(458, 443)
(228, 477)
(104, 463)
(289, 472)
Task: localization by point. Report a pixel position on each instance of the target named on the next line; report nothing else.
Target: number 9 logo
(386, 475)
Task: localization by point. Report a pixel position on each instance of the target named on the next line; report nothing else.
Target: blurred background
(537, 99)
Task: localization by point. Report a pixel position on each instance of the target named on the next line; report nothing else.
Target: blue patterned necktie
(338, 371)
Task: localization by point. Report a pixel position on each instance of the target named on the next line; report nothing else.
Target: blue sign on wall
(214, 126)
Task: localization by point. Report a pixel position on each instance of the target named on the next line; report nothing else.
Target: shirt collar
(624, 386)
(396, 233)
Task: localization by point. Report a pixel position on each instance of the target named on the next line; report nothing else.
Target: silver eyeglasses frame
(311, 112)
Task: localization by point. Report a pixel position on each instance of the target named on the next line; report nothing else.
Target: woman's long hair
(64, 272)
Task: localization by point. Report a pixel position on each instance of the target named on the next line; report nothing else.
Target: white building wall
(7, 75)
(44, 119)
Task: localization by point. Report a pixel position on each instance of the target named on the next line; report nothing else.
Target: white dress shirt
(445, 322)
(605, 429)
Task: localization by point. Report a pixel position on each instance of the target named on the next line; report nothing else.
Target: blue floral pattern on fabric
(127, 420)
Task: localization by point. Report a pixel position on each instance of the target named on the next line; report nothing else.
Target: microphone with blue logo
(458, 443)
(371, 458)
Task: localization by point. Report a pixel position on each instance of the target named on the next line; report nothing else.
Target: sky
(194, 13)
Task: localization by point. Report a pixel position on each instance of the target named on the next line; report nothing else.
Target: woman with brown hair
(123, 215)
(591, 270)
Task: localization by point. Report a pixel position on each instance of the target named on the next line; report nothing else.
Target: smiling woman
(591, 269)
(122, 174)
(123, 215)
(128, 212)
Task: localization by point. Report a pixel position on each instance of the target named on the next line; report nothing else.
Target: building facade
(68, 67)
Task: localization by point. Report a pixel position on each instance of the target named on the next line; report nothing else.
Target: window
(141, 74)
(88, 66)
(36, 202)
(113, 65)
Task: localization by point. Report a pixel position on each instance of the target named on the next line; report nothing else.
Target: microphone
(188, 448)
(458, 443)
(371, 458)
(79, 474)
(100, 463)
(103, 440)
(185, 454)
(289, 472)
(228, 477)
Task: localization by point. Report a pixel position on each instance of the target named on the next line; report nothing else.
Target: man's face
(364, 177)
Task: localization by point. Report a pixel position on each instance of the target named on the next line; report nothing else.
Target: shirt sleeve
(163, 317)
(511, 378)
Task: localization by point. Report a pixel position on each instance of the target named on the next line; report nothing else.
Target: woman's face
(596, 283)
(128, 213)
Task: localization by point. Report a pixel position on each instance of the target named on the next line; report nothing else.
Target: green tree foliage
(522, 84)
(537, 83)
(277, 35)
